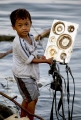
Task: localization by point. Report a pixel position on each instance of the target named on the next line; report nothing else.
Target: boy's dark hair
(19, 14)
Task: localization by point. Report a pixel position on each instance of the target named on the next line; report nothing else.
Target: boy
(25, 60)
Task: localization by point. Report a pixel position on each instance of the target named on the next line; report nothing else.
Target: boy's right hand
(50, 60)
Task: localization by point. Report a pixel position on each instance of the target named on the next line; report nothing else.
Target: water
(43, 15)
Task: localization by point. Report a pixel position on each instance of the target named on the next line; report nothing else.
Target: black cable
(68, 92)
(62, 105)
(74, 92)
(56, 85)
(57, 81)
(51, 115)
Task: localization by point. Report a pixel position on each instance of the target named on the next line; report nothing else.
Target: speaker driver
(51, 51)
(52, 39)
(58, 28)
(64, 41)
(63, 56)
(71, 28)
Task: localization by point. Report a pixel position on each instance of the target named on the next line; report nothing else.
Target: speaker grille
(64, 41)
(52, 39)
(51, 51)
(58, 28)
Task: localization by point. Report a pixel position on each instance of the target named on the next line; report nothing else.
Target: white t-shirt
(23, 54)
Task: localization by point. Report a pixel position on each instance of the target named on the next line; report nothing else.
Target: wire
(69, 70)
(57, 82)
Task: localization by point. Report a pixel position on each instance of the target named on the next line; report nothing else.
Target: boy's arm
(39, 57)
(42, 60)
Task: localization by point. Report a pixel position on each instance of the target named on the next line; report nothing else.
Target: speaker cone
(52, 39)
(63, 56)
(51, 51)
(58, 28)
(64, 41)
(71, 28)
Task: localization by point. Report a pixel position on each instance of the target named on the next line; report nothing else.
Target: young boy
(25, 60)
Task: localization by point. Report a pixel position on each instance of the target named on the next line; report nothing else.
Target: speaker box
(61, 40)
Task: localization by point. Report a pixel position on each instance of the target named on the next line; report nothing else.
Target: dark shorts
(28, 88)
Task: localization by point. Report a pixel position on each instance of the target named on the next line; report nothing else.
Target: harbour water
(43, 15)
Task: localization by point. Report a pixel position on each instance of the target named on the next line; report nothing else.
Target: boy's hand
(50, 60)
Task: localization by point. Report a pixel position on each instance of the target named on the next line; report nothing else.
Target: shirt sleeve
(25, 54)
(34, 42)
(35, 52)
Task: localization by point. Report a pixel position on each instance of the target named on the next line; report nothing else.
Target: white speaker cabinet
(61, 41)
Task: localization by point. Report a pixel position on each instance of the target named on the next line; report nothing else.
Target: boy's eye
(26, 24)
(19, 25)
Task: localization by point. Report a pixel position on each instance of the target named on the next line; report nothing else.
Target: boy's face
(22, 26)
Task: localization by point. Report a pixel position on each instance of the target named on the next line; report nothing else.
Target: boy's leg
(24, 105)
(30, 107)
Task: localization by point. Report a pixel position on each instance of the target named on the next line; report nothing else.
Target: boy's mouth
(24, 32)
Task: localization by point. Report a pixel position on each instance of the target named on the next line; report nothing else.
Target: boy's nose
(24, 27)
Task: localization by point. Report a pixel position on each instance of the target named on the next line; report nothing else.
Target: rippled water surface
(43, 15)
